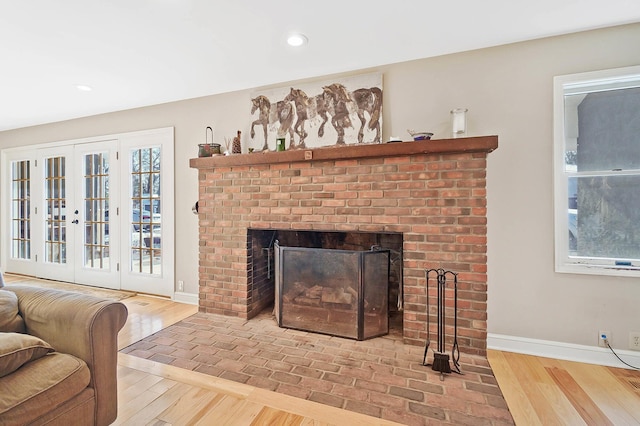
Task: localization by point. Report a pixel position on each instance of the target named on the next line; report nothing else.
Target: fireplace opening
(261, 265)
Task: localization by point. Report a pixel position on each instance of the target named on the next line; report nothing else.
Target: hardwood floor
(544, 391)
(150, 314)
(539, 391)
(160, 394)
(151, 393)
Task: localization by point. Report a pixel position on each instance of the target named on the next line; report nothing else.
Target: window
(597, 172)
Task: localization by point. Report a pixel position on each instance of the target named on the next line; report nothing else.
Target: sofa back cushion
(10, 319)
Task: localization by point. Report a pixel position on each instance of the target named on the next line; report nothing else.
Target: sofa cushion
(17, 349)
(40, 386)
(10, 319)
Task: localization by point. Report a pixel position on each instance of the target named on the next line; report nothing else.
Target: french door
(96, 254)
(95, 212)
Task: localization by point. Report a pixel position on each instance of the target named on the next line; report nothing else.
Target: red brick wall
(438, 202)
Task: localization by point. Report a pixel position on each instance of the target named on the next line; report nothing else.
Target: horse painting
(370, 101)
(294, 112)
(337, 98)
(283, 114)
(308, 109)
(322, 110)
(301, 101)
(262, 104)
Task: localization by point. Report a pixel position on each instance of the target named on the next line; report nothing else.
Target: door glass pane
(55, 202)
(96, 214)
(20, 210)
(146, 221)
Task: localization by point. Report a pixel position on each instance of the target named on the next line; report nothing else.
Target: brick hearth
(433, 192)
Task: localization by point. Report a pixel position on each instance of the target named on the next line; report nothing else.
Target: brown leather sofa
(66, 374)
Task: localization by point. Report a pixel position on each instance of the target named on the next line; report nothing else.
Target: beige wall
(508, 91)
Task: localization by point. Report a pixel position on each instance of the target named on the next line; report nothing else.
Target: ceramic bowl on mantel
(420, 136)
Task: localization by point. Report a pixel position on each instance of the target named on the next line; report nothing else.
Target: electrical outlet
(180, 285)
(602, 336)
(634, 340)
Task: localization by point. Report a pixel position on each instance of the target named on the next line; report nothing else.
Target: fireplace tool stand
(440, 358)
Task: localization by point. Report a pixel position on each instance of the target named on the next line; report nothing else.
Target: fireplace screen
(339, 292)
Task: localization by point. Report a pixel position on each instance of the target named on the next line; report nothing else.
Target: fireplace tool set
(440, 358)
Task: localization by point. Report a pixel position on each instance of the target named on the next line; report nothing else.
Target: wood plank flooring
(150, 314)
(160, 394)
(545, 391)
(151, 393)
(539, 391)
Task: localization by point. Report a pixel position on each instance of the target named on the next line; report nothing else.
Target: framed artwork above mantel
(331, 112)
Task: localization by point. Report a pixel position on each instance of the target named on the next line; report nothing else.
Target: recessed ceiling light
(297, 40)
(84, 88)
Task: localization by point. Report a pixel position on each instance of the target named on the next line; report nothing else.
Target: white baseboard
(182, 297)
(564, 351)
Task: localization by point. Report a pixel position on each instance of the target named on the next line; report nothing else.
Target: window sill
(594, 269)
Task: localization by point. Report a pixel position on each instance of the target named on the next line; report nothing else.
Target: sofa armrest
(81, 325)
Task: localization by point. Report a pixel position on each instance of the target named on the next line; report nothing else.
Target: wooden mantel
(435, 146)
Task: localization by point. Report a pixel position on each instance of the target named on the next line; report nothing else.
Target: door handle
(75, 221)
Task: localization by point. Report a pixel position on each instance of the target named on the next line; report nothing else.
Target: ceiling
(134, 53)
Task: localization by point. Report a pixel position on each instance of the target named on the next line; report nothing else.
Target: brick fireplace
(433, 193)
